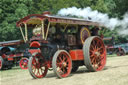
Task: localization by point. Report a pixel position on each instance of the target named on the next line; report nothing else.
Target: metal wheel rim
(62, 64)
(94, 55)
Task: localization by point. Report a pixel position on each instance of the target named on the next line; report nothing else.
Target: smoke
(124, 25)
(95, 16)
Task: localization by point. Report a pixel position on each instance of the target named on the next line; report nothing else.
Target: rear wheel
(36, 66)
(23, 63)
(94, 53)
(62, 63)
(1, 63)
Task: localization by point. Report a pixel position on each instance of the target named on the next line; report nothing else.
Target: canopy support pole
(43, 29)
(47, 31)
(65, 27)
(22, 34)
(26, 32)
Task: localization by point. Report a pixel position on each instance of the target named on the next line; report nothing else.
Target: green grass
(11, 72)
(113, 55)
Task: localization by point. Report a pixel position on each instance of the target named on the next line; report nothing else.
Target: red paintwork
(77, 54)
(109, 46)
(23, 63)
(35, 44)
(3, 56)
(25, 19)
(49, 64)
(34, 50)
(56, 19)
(10, 59)
(11, 56)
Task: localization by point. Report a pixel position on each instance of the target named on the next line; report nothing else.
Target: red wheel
(62, 63)
(36, 66)
(1, 63)
(23, 63)
(94, 53)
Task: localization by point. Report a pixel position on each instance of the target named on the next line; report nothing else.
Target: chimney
(46, 13)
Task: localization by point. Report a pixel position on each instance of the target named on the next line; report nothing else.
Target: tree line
(13, 10)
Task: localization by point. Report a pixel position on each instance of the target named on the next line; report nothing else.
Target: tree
(11, 12)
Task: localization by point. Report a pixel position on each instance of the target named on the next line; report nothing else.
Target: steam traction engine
(10, 56)
(61, 43)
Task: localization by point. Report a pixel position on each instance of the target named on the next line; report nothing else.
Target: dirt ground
(115, 73)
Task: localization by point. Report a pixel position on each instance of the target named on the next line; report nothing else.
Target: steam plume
(103, 18)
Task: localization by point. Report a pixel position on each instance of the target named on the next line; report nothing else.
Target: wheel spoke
(42, 69)
(102, 56)
(98, 60)
(60, 57)
(92, 47)
(92, 60)
(93, 43)
(92, 55)
(37, 73)
(95, 47)
(66, 60)
(94, 63)
(64, 70)
(98, 43)
(100, 48)
(34, 70)
(59, 70)
(64, 57)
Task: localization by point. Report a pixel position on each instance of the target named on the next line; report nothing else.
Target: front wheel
(62, 63)
(23, 63)
(36, 66)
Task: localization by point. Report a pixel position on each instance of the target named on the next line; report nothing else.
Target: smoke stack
(46, 13)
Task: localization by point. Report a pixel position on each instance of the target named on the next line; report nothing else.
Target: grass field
(114, 73)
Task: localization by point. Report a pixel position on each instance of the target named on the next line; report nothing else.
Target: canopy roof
(37, 18)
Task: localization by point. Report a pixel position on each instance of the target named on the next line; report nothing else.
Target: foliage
(12, 10)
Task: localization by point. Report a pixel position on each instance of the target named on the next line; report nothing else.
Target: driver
(37, 31)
